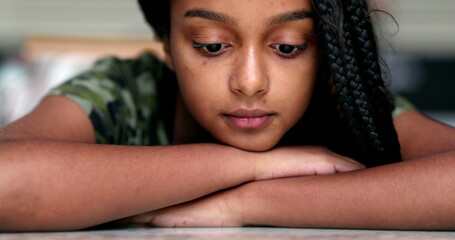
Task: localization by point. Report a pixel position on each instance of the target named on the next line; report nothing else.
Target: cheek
(199, 87)
(296, 89)
(200, 78)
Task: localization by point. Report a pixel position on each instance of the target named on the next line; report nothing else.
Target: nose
(250, 75)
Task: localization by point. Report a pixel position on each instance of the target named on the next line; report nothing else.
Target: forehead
(248, 10)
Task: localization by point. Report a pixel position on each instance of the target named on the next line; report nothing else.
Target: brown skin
(49, 157)
(248, 72)
(415, 194)
(54, 176)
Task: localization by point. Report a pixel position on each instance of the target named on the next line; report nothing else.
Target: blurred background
(44, 42)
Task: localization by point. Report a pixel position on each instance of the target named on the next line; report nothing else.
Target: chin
(255, 147)
(252, 141)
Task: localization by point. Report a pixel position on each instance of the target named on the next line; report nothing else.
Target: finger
(345, 164)
(138, 219)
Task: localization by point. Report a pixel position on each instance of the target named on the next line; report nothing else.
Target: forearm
(57, 186)
(417, 194)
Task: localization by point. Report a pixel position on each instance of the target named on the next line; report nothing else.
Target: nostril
(238, 91)
(251, 89)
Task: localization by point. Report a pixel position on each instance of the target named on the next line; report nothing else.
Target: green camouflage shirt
(121, 98)
(130, 102)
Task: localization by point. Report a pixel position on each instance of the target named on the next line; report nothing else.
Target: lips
(249, 119)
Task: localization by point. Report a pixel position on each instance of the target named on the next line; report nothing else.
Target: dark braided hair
(369, 60)
(359, 103)
(348, 44)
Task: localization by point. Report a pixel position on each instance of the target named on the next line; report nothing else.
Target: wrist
(241, 205)
(247, 162)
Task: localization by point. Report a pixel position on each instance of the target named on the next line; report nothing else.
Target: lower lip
(249, 122)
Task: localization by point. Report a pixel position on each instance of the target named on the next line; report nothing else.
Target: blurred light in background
(113, 18)
(419, 49)
(37, 49)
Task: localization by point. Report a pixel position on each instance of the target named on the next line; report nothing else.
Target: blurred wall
(420, 51)
(425, 27)
(21, 18)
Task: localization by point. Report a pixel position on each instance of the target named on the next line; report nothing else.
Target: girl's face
(246, 68)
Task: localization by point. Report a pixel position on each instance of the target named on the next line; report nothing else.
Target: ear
(167, 52)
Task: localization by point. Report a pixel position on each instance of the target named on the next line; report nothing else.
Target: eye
(211, 49)
(288, 50)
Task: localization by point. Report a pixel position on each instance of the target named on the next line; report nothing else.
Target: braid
(344, 74)
(366, 131)
(369, 60)
(363, 109)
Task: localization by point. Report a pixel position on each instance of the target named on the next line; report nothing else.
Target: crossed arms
(55, 178)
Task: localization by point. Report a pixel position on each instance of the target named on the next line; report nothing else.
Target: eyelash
(296, 51)
(203, 48)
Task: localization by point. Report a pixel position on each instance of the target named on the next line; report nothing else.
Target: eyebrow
(291, 16)
(210, 15)
(223, 18)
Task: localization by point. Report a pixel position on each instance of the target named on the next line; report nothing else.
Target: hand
(300, 161)
(215, 210)
(224, 209)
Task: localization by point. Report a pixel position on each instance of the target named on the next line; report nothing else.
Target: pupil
(285, 48)
(214, 47)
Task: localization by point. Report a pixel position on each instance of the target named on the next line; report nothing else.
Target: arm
(55, 178)
(415, 194)
(410, 195)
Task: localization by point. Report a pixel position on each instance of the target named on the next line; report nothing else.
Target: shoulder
(111, 78)
(120, 96)
(420, 135)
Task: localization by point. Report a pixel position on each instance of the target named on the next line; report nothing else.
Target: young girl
(263, 112)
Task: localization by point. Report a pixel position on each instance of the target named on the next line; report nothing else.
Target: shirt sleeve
(120, 98)
(401, 105)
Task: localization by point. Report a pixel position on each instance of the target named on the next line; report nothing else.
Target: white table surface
(231, 233)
